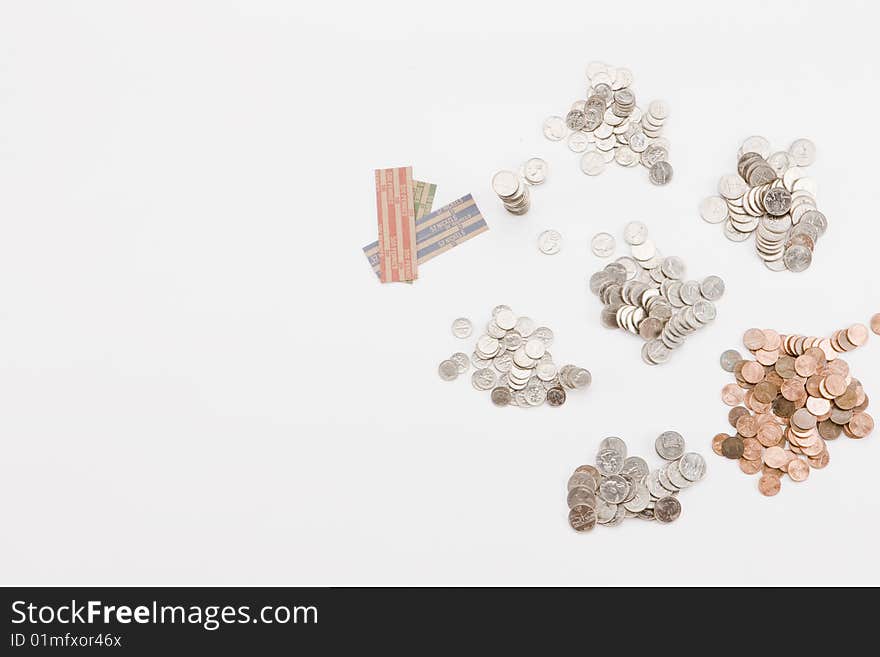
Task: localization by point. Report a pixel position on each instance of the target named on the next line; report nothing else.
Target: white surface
(202, 382)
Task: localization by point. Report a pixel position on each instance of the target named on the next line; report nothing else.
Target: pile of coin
(609, 127)
(512, 361)
(513, 188)
(797, 394)
(647, 295)
(620, 486)
(772, 197)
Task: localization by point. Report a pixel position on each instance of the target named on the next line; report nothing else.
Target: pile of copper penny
(795, 395)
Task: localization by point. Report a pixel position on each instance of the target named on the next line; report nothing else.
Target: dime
(505, 183)
(635, 233)
(554, 128)
(802, 152)
(462, 327)
(483, 379)
(592, 163)
(448, 370)
(603, 245)
(556, 396)
(550, 242)
(461, 361)
(661, 173)
(501, 396)
(729, 359)
(667, 509)
(578, 142)
(713, 209)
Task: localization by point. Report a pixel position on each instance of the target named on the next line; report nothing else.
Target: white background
(203, 383)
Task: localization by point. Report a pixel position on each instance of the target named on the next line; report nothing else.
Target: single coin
(798, 470)
(769, 485)
(462, 327)
(670, 445)
(462, 361)
(581, 496)
(448, 370)
(603, 245)
(592, 163)
(732, 394)
(554, 128)
(578, 142)
(550, 242)
(756, 144)
(660, 173)
(692, 466)
(635, 233)
(802, 152)
(732, 447)
(556, 396)
(775, 457)
(535, 170)
(582, 518)
(501, 396)
(714, 209)
(483, 379)
(667, 509)
(505, 183)
(729, 359)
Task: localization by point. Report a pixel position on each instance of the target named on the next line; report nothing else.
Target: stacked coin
(772, 197)
(513, 362)
(621, 486)
(647, 295)
(797, 394)
(513, 188)
(609, 127)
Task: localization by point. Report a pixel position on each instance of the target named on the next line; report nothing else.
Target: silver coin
(525, 326)
(797, 258)
(448, 370)
(582, 480)
(462, 327)
(692, 466)
(483, 379)
(640, 499)
(613, 489)
(505, 183)
(780, 161)
(667, 509)
(729, 359)
(462, 361)
(605, 511)
(550, 242)
(535, 170)
(581, 495)
(501, 396)
(603, 245)
(503, 362)
(758, 145)
(554, 128)
(635, 233)
(660, 173)
(592, 163)
(732, 186)
(635, 467)
(713, 209)
(578, 142)
(535, 393)
(505, 319)
(712, 288)
(614, 443)
(609, 461)
(802, 152)
(669, 445)
(544, 334)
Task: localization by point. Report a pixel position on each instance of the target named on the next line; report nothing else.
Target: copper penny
(803, 419)
(769, 434)
(818, 406)
(819, 462)
(785, 367)
(769, 484)
(875, 323)
(774, 457)
(765, 392)
(732, 447)
(861, 425)
(772, 340)
(835, 384)
(751, 449)
(805, 365)
(792, 389)
(798, 470)
(732, 394)
(736, 413)
(716, 443)
(754, 338)
(784, 408)
(753, 372)
(747, 426)
(857, 334)
(749, 467)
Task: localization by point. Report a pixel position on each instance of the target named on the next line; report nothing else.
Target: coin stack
(646, 294)
(797, 395)
(510, 187)
(609, 127)
(512, 361)
(772, 197)
(620, 486)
